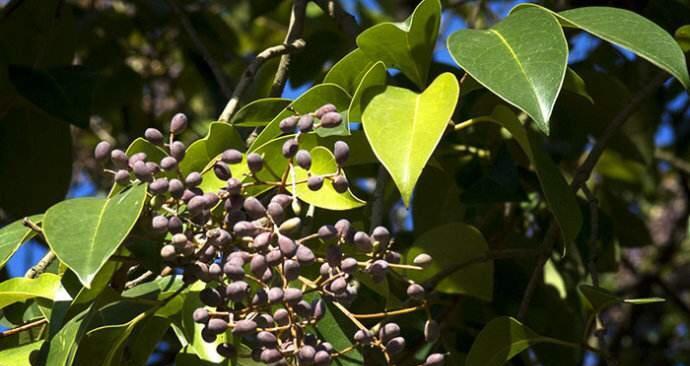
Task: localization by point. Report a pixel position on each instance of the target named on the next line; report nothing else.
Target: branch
(344, 20)
(250, 73)
(47, 259)
(23, 327)
(582, 175)
(295, 30)
(216, 68)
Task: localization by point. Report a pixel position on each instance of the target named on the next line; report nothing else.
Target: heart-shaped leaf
(259, 112)
(403, 128)
(221, 136)
(323, 163)
(308, 102)
(349, 71)
(85, 232)
(500, 340)
(407, 46)
(449, 245)
(522, 59)
(21, 289)
(629, 30)
(14, 235)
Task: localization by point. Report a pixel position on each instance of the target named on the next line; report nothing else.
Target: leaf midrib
(532, 88)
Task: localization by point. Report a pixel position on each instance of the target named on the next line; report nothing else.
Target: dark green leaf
(349, 71)
(683, 37)
(522, 59)
(499, 341)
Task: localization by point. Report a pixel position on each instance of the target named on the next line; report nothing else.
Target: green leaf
(501, 340)
(683, 37)
(63, 92)
(596, 299)
(560, 198)
(20, 356)
(63, 346)
(407, 46)
(450, 245)
(14, 235)
(349, 71)
(108, 341)
(85, 232)
(648, 40)
(221, 136)
(144, 339)
(308, 102)
(371, 83)
(403, 128)
(21, 289)
(259, 112)
(522, 59)
(323, 163)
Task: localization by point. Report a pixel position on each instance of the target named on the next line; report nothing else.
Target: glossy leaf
(632, 31)
(407, 46)
(559, 196)
(403, 128)
(85, 232)
(308, 102)
(323, 163)
(450, 245)
(21, 355)
(221, 136)
(349, 71)
(21, 289)
(683, 37)
(14, 235)
(522, 59)
(259, 112)
(500, 340)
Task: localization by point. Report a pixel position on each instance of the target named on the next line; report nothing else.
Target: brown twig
(215, 67)
(250, 72)
(23, 327)
(294, 32)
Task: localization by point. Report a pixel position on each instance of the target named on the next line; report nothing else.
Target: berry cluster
(256, 257)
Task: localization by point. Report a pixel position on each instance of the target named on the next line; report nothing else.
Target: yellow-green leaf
(21, 289)
(404, 128)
